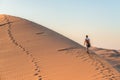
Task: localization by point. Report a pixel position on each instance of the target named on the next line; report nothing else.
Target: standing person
(87, 43)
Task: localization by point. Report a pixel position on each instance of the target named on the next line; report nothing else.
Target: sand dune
(30, 51)
(112, 56)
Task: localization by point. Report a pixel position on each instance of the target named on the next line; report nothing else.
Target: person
(87, 43)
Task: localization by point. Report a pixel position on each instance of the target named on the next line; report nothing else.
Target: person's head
(86, 36)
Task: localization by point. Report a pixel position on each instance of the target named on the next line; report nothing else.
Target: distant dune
(112, 56)
(29, 51)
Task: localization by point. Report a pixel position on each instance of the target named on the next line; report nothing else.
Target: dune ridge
(33, 52)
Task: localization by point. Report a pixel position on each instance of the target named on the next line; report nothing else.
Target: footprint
(27, 51)
(16, 43)
(32, 60)
(31, 55)
(35, 74)
(20, 46)
(38, 70)
(23, 49)
(40, 79)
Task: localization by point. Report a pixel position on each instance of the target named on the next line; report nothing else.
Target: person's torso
(87, 40)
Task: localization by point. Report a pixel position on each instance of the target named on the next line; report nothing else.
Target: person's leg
(87, 49)
(88, 46)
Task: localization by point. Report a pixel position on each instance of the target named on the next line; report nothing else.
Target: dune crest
(30, 51)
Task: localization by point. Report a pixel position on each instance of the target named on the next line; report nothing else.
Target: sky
(100, 19)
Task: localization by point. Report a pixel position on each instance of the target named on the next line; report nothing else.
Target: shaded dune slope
(30, 51)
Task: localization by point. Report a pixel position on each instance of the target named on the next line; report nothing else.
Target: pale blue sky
(100, 19)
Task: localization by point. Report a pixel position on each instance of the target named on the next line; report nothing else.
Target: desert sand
(110, 55)
(29, 51)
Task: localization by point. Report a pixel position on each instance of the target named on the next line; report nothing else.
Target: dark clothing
(88, 45)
